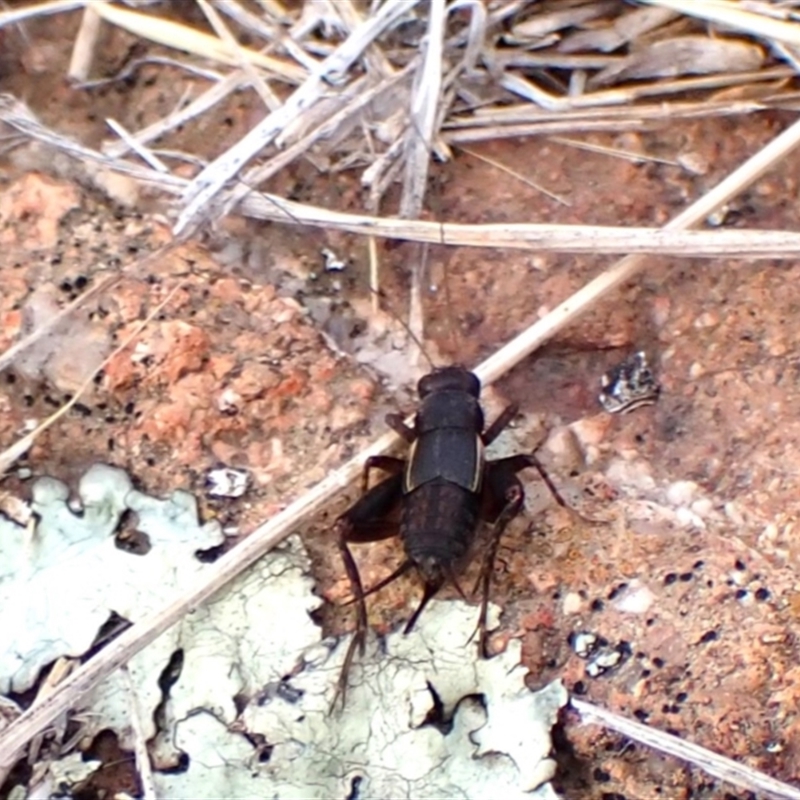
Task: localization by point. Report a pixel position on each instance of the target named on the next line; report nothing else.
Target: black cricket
(435, 498)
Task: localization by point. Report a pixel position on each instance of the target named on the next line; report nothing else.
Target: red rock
(182, 349)
(221, 365)
(31, 210)
(227, 290)
(129, 297)
(10, 326)
(255, 381)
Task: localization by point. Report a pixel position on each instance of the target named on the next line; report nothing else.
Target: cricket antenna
(415, 304)
(406, 327)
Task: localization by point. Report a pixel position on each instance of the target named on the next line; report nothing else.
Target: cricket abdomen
(438, 524)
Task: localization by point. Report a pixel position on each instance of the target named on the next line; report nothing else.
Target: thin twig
(615, 152)
(725, 769)
(735, 243)
(527, 181)
(143, 767)
(266, 94)
(85, 43)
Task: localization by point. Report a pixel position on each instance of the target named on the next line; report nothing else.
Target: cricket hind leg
(505, 497)
(503, 500)
(368, 520)
(388, 464)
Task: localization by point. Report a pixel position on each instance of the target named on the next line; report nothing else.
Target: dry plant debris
(374, 92)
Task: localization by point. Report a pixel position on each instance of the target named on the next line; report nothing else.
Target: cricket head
(449, 379)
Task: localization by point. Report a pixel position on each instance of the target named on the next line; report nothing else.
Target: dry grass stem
(614, 152)
(270, 31)
(60, 669)
(260, 541)
(173, 34)
(266, 94)
(208, 183)
(514, 174)
(426, 97)
(726, 769)
(375, 61)
(85, 43)
(732, 15)
(520, 115)
(143, 768)
(137, 147)
(596, 239)
(16, 15)
(207, 100)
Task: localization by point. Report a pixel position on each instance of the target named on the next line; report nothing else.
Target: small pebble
(635, 599)
(584, 643)
(681, 493)
(693, 162)
(717, 218)
(332, 262)
(572, 603)
(696, 370)
(707, 319)
(225, 482)
(603, 661)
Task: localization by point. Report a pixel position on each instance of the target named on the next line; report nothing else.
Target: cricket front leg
(365, 521)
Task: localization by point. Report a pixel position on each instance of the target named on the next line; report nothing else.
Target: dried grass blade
(527, 181)
(268, 97)
(424, 103)
(85, 42)
(733, 16)
(182, 37)
(531, 236)
(16, 15)
(332, 70)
